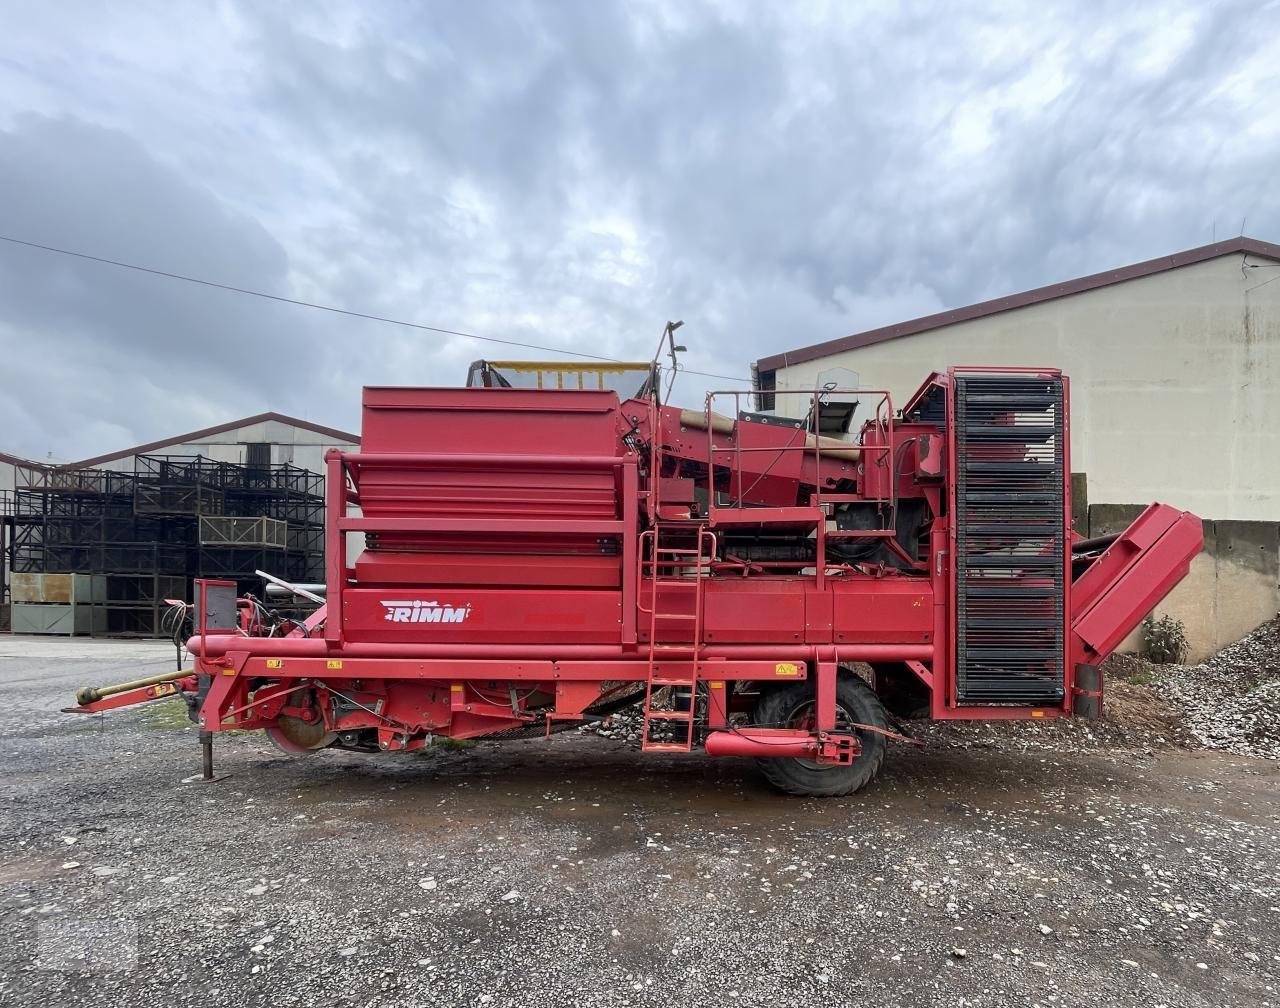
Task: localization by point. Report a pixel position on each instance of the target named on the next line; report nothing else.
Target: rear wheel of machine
(792, 706)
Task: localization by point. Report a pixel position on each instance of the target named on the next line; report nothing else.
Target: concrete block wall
(1232, 588)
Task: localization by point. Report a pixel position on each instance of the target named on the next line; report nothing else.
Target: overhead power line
(336, 310)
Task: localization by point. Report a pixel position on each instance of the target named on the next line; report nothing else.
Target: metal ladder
(684, 657)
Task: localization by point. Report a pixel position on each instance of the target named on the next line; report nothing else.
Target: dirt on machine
(759, 577)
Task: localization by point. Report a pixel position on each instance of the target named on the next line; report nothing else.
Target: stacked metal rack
(287, 541)
(6, 537)
(173, 518)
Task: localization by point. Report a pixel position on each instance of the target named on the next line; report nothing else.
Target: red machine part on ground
(538, 557)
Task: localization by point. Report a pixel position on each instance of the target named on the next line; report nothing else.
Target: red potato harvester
(539, 552)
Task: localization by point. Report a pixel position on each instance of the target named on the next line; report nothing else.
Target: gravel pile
(624, 726)
(1229, 702)
(1136, 718)
(1232, 701)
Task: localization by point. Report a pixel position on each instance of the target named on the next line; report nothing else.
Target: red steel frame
(573, 640)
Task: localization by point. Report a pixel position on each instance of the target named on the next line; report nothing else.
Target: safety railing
(830, 459)
(805, 441)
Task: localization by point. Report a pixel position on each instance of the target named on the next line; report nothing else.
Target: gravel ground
(1018, 869)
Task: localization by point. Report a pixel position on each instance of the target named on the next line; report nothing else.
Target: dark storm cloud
(575, 174)
(92, 347)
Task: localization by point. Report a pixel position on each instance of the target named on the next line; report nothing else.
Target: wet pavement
(576, 870)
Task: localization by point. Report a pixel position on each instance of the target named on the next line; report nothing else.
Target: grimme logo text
(417, 611)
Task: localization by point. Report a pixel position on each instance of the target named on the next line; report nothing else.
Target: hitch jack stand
(206, 754)
(206, 761)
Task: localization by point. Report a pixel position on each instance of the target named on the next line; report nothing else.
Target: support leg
(825, 689)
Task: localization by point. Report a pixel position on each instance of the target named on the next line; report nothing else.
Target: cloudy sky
(572, 174)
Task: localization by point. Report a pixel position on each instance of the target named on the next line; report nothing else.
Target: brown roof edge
(1248, 246)
(151, 446)
(16, 460)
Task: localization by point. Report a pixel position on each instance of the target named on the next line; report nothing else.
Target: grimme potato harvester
(539, 551)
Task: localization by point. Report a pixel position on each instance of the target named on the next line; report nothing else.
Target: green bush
(1164, 640)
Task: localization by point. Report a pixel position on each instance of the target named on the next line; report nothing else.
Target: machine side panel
(497, 420)
(413, 615)
(769, 611)
(883, 611)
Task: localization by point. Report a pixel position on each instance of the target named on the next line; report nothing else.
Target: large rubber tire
(856, 703)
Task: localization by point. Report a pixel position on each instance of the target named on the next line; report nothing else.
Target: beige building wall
(1175, 382)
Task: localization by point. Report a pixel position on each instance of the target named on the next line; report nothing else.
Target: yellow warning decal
(786, 668)
(164, 689)
(275, 663)
(1037, 713)
(716, 685)
(229, 671)
(456, 688)
(333, 663)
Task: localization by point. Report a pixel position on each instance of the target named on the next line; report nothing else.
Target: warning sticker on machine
(786, 668)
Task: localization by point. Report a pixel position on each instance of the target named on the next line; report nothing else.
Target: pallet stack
(62, 604)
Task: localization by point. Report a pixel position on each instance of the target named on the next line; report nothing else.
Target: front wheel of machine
(792, 706)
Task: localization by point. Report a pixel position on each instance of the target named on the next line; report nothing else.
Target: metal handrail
(883, 419)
